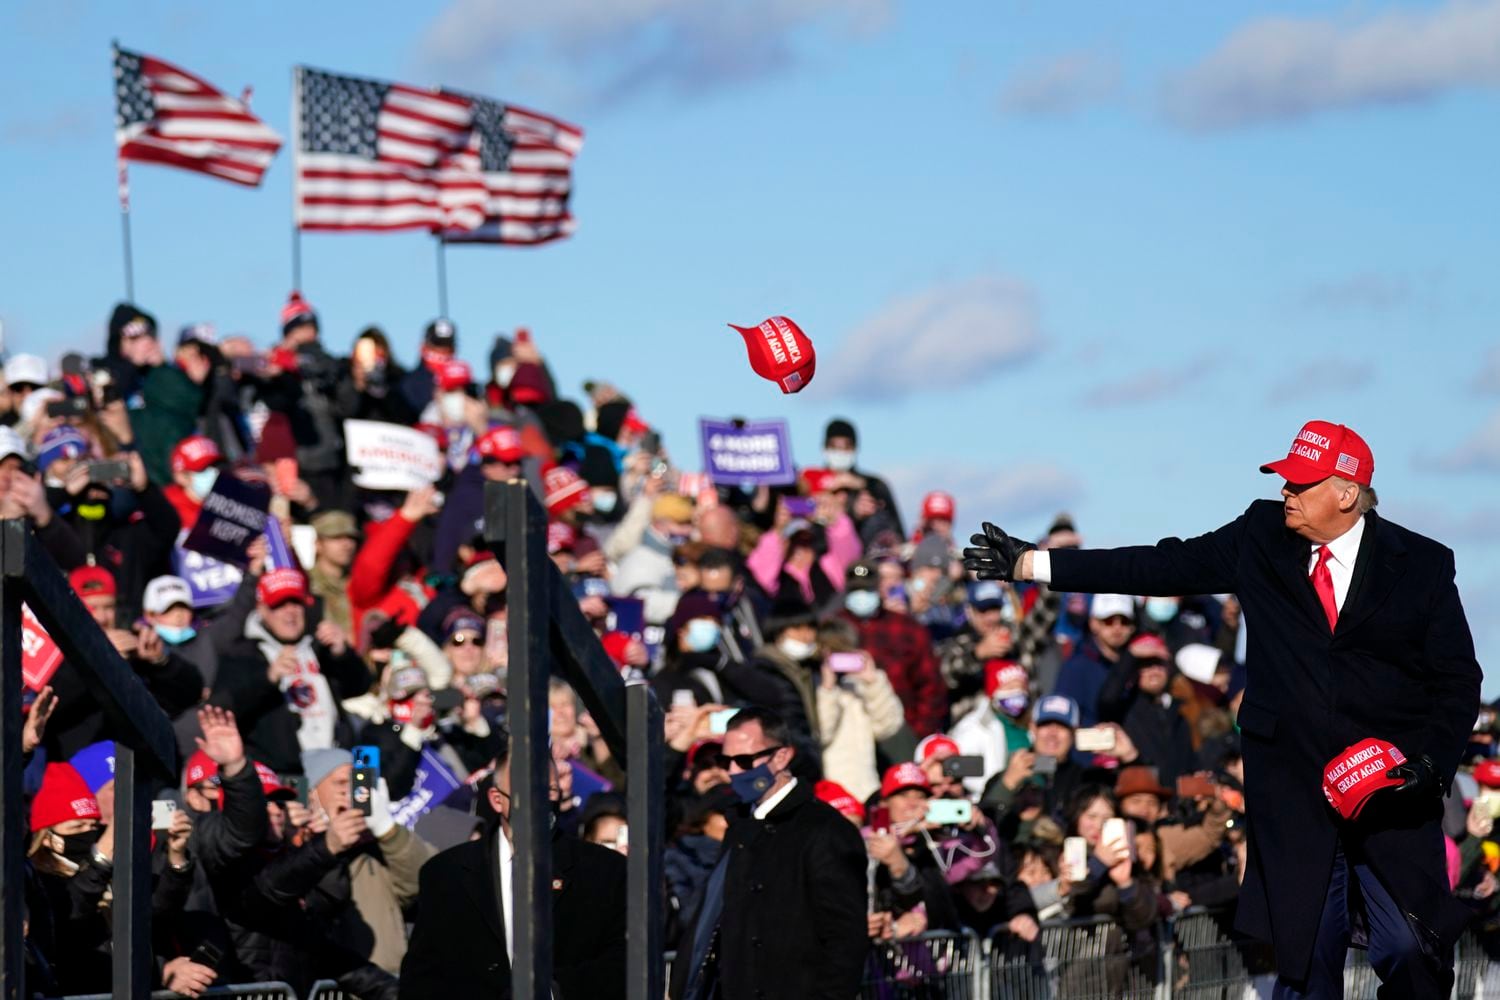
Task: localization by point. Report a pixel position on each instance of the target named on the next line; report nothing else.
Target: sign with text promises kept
(391, 457)
(752, 453)
(233, 516)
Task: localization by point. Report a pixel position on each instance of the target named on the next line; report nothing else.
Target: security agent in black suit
(459, 945)
(1377, 647)
(783, 913)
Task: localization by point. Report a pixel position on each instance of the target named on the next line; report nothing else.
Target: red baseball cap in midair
(1320, 450)
(1358, 772)
(780, 352)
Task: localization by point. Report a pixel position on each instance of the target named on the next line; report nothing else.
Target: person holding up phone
(910, 893)
(1113, 887)
(857, 708)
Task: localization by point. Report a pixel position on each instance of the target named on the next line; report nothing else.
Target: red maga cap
(902, 776)
(780, 352)
(1004, 675)
(195, 453)
(838, 796)
(453, 375)
(1358, 772)
(1320, 450)
(502, 444)
(282, 585)
(937, 505)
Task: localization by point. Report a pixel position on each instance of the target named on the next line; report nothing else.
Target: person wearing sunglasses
(1111, 625)
(783, 912)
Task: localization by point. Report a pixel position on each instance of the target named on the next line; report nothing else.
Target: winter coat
(853, 716)
(373, 886)
(265, 712)
(172, 404)
(981, 733)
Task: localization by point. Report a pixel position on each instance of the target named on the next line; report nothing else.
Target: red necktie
(1322, 581)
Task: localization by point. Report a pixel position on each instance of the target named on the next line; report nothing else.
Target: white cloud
(1282, 68)
(1000, 493)
(1479, 452)
(1060, 85)
(942, 338)
(1148, 385)
(625, 45)
(1319, 377)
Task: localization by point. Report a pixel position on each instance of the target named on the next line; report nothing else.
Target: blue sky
(1050, 257)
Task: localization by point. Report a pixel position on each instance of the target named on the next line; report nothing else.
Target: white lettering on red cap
(1309, 453)
(1312, 438)
(788, 338)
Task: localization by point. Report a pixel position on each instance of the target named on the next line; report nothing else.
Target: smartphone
(207, 954)
(846, 663)
(1075, 859)
(950, 812)
(1193, 786)
(1045, 765)
(367, 756)
(298, 784)
(161, 813)
(651, 443)
(109, 470)
(880, 819)
(362, 790)
(966, 766)
(718, 722)
(1115, 831)
(683, 698)
(73, 406)
(800, 506)
(1094, 739)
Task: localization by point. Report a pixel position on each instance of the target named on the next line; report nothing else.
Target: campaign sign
(40, 656)
(391, 457)
(755, 452)
(212, 582)
(433, 783)
(233, 515)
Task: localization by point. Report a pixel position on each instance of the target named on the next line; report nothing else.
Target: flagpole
(125, 233)
(442, 277)
(123, 186)
(296, 177)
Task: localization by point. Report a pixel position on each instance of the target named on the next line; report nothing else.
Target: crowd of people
(1008, 753)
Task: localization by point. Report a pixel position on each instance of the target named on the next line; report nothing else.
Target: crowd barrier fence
(242, 991)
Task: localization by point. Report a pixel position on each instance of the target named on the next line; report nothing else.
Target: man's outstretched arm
(1206, 564)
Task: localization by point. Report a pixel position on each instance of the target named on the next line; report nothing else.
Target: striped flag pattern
(379, 156)
(164, 114)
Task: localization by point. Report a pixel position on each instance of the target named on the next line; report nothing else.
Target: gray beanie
(319, 764)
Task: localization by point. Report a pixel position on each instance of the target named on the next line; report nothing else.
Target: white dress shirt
(1342, 552)
(764, 809)
(507, 893)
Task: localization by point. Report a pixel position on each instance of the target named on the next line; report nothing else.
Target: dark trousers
(1395, 953)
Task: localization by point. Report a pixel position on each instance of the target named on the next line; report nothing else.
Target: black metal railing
(145, 751)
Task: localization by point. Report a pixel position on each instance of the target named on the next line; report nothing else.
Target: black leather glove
(994, 555)
(1420, 781)
(385, 636)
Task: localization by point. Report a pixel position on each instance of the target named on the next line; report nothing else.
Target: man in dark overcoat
(1355, 632)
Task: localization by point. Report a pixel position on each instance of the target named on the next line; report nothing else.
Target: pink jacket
(768, 558)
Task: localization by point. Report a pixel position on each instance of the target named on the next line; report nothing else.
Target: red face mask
(404, 712)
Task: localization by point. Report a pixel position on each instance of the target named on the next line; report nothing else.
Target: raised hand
(36, 720)
(221, 740)
(994, 555)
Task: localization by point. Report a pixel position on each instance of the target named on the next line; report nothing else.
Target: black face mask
(79, 847)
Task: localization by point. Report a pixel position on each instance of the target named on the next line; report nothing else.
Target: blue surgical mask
(862, 603)
(752, 785)
(175, 635)
(203, 482)
(605, 500)
(839, 460)
(1161, 609)
(702, 635)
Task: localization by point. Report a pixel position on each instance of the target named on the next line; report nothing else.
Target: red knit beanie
(64, 795)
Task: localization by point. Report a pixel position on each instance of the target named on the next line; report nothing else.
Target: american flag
(164, 114)
(385, 156)
(1347, 464)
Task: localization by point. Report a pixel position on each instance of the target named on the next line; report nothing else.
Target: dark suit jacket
(457, 946)
(1399, 666)
(793, 923)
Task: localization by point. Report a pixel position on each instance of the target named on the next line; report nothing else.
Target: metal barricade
(1082, 959)
(327, 989)
(1208, 961)
(938, 965)
(241, 991)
